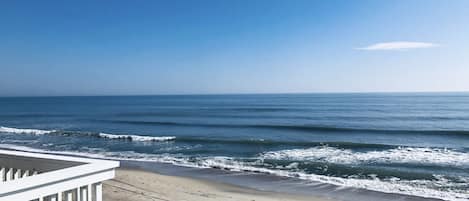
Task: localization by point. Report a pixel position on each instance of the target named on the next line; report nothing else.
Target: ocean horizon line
(236, 94)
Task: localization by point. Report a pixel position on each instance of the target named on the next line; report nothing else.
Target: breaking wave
(412, 155)
(80, 133)
(25, 131)
(136, 137)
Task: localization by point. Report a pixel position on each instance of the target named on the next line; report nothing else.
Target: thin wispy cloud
(398, 45)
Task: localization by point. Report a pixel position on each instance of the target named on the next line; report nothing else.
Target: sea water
(406, 143)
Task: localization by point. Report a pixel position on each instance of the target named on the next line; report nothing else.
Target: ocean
(405, 143)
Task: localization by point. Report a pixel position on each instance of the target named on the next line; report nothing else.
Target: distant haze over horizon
(59, 48)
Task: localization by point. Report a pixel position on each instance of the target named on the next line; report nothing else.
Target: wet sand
(139, 185)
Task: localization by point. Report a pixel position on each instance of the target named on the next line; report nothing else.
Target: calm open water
(408, 143)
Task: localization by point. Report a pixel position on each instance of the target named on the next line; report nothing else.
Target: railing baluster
(78, 194)
(25, 173)
(2, 174)
(17, 174)
(70, 196)
(99, 192)
(83, 194)
(9, 174)
(89, 193)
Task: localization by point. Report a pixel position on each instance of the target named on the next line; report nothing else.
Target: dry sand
(137, 185)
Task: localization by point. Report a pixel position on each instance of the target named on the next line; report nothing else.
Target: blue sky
(199, 47)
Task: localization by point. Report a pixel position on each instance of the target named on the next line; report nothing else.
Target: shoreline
(249, 181)
(265, 183)
(141, 185)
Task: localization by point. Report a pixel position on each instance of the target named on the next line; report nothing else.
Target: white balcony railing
(28, 176)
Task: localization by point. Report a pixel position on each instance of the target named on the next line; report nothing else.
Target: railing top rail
(52, 157)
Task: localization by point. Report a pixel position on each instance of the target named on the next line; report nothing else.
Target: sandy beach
(138, 185)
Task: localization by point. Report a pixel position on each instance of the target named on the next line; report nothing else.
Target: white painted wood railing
(28, 176)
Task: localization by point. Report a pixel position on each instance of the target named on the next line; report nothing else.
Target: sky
(55, 48)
